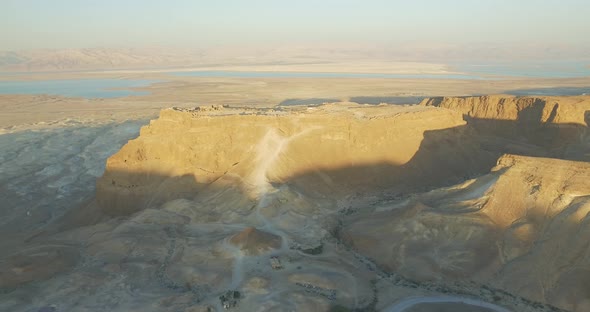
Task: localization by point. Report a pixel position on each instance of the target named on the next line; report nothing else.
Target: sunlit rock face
(331, 208)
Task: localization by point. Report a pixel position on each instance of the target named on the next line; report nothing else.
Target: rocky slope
(331, 208)
(520, 228)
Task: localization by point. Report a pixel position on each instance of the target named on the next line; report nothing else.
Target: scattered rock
(330, 294)
(210, 108)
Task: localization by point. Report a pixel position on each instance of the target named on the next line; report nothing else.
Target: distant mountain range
(163, 57)
(85, 59)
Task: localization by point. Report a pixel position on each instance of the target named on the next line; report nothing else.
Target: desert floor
(25, 111)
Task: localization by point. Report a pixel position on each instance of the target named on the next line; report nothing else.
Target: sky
(33, 24)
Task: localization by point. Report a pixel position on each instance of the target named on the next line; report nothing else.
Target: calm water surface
(87, 88)
(548, 69)
(112, 88)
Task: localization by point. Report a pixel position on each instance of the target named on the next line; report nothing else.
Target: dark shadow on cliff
(449, 156)
(529, 136)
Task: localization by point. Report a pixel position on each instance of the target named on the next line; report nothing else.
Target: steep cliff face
(551, 123)
(329, 150)
(531, 110)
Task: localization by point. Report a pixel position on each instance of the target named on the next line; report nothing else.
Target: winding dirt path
(403, 305)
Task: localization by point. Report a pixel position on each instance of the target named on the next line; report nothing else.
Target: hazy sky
(28, 24)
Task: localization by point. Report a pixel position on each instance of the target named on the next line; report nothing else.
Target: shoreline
(186, 91)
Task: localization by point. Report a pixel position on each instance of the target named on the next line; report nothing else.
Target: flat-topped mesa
(328, 150)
